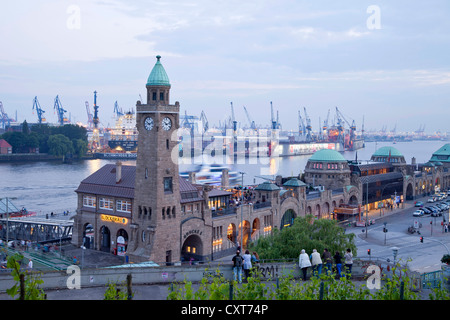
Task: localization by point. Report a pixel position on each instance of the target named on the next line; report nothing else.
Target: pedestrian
(30, 264)
(338, 261)
(316, 262)
(326, 258)
(247, 264)
(304, 263)
(255, 257)
(348, 256)
(237, 266)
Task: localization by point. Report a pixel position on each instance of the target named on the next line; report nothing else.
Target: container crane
(252, 123)
(62, 119)
(39, 111)
(352, 127)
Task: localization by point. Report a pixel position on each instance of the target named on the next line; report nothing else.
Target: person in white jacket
(316, 263)
(304, 263)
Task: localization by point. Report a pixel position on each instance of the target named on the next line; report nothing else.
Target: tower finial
(158, 57)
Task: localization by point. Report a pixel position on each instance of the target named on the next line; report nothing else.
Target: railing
(224, 212)
(262, 205)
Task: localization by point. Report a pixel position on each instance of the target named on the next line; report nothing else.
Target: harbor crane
(204, 120)
(4, 118)
(90, 117)
(62, 119)
(301, 125)
(352, 126)
(95, 119)
(272, 118)
(308, 126)
(325, 122)
(39, 111)
(252, 123)
(117, 111)
(233, 119)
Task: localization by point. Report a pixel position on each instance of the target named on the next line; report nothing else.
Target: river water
(47, 187)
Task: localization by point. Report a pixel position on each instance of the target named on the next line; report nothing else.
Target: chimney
(118, 171)
(225, 180)
(192, 178)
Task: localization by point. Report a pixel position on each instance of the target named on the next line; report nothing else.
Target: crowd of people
(326, 261)
(338, 263)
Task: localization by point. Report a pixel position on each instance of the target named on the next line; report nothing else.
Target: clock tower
(156, 209)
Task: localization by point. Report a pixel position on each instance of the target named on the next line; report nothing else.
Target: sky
(382, 63)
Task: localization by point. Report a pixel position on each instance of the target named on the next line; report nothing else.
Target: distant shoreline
(32, 157)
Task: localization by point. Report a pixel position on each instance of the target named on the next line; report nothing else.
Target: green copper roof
(294, 182)
(158, 76)
(327, 155)
(267, 186)
(442, 155)
(384, 152)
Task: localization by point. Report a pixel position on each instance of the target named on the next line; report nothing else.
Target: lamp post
(242, 210)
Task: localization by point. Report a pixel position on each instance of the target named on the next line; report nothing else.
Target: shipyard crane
(325, 122)
(252, 123)
(301, 125)
(204, 120)
(95, 119)
(62, 119)
(308, 126)
(274, 123)
(117, 111)
(39, 111)
(187, 123)
(233, 119)
(90, 117)
(4, 118)
(352, 126)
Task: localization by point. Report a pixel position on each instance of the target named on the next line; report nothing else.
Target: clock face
(166, 123)
(148, 123)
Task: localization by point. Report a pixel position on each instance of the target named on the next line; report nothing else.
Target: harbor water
(46, 187)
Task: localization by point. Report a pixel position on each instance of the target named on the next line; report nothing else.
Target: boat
(211, 174)
(124, 136)
(9, 210)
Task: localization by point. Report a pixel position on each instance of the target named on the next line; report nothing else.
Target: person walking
(247, 264)
(237, 266)
(304, 263)
(316, 263)
(338, 261)
(348, 257)
(327, 259)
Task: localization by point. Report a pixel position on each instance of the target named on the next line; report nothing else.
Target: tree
(80, 147)
(59, 145)
(306, 233)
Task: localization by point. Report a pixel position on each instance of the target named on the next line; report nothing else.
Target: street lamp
(242, 209)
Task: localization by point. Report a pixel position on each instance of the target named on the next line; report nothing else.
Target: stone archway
(409, 192)
(288, 218)
(255, 229)
(88, 236)
(244, 234)
(192, 249)
(105, 239)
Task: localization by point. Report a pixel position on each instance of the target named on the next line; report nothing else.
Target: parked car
(427, 210)
(430, 200)
(419, 204)
(418, 213)
(436, 214)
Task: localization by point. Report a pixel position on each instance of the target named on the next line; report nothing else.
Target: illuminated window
(123, 205)
(106, 203)
(89, 201)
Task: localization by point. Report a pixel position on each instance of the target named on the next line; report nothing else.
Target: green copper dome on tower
(158, 76)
